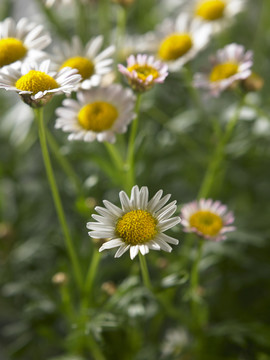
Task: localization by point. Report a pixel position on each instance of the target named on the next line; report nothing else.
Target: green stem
(145, 272)
(115, 156)
(91, 274)
(131, 180)
(94, 348)
(56, 198)
(194, 283)
(218, 155)
(82, 21)
(63, 162)
(120, 32)
(103, 16)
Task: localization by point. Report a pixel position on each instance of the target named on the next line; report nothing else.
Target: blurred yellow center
(175, 46)
(97, 116)
(143, 71)
(136, 227)
(223, 71)
(206, 222)
(84, 66)
(36, 81)
(11, 50)
(210, 9)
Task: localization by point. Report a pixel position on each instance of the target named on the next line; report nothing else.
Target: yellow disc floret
(223, 71)
(136, 227)
(143, 71)
(174, 46)
(36, 81)
(84, 66)
(11, 50)
(210, 9)
(97, 116)
(206, 222)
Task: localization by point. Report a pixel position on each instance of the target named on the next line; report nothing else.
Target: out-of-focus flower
(209, 219)
(229, 64)
(21, 41)
(99, 113)
(60, 278)
(138, 226)
(50, 3)
(143, 72)
(88, 60)
(179, 41)
(36, 83)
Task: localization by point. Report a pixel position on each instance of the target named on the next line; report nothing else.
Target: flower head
(143, 72)
(230, 64)
(21, 41)
(138, 225)
(36, 83)
(98, 113)
(88, 60)
(209, 219)
(179, 41)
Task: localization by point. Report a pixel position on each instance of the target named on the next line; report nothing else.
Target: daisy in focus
(217, 12)
(207, 218)
(179, 41)
(21, 41)
(90, 62)
(36, 84)
(229, 64)
(143, 72)
(138, 225)
(98, 114)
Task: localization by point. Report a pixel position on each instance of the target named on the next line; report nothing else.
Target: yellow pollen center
(36, 81)
(136, 227)
(11, 50)
(206, 222)
(223, 71)
(97, 116)
(174, 46)
(143, 71)
(211, 9)
(84, 66)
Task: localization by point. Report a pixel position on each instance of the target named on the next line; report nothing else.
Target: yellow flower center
(175, 46)
(11, 50)
(223, 71)
(210, 9)
(136, 227)
(206, 222)
(84, 66)
(143, 71)
(97, 116)
(36, 81)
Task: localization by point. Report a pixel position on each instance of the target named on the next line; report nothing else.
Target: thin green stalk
(82, 21)
(131, 180)
(91, 274)
(94, 348)
(56, 198)
(63, 162)
(120, 31)
(145, 272)
(103, 17)
(115, 156)
(218, 155)
(194, 283)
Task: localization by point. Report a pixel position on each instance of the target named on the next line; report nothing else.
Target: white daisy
(88, 60)
(98, 113)
(229, 64)
(36, 83)
(21, 41)
(209, 219)
(138, 226)
(143, 72)
(180, 41)
(217, 12)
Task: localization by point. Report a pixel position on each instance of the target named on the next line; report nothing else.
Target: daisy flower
(138, 225)
(88, 60)
(218, 12)
(21, 41)
(98, 113)
(36, 83)
(209, 219)
(143, 72)
(180, 41)
(229, 64)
